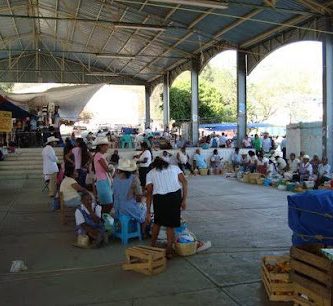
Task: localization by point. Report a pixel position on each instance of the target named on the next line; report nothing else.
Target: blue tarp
(16, 111)
(226, 126)
(310, 217)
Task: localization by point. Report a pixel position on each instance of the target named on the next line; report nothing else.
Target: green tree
(7, 87)
(217, 103)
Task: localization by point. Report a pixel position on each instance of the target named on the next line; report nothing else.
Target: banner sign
(6, 123)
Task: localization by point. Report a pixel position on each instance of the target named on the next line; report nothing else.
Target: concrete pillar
(195, 100)
(147, 106)
(241, 97)
(166, 100)
(328, 96)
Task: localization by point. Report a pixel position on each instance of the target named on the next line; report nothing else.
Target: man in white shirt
(50, 166)
(222, 141)
(266, 143)
(324, 173)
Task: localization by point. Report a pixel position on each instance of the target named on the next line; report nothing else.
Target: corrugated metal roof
(78, 30)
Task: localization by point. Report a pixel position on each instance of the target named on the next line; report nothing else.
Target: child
(88, 220)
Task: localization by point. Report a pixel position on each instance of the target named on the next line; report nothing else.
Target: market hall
(147, 43)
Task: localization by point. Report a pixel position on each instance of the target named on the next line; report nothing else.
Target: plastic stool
(128, 228)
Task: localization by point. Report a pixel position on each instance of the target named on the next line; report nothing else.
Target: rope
(326, 215)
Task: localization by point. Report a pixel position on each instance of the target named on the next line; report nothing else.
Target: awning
(16, 111)
(71, 99)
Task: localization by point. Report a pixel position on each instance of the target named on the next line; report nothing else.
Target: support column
(166, 100)
(241, 97)
(195, 101)
(147, 106)
(328, 96)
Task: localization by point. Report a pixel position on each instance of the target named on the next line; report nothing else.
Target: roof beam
(56, 22)
(14, 22)
(74, 23)
(217, 35)
(116, 24)
(188, 35)
(316, 7)
(155, 38)
(94, 27)
(290, 23)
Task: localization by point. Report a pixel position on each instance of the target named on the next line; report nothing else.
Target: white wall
(305, 137)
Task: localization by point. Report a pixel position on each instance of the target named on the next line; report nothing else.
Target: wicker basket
(203, 171)
(186, 249)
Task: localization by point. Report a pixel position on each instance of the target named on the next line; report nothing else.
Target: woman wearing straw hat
(127, 192)
(103, 176)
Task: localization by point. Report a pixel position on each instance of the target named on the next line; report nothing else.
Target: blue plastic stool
(126, 228)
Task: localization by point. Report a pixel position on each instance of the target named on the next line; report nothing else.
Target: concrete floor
(244, 223)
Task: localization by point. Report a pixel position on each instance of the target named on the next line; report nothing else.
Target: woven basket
(203, 171)
(186, 249)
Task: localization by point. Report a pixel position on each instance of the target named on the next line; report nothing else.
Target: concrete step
(13, 176)
(22, 167)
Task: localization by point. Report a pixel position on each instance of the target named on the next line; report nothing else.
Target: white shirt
(77, 157)
(145, 154)
(253, 159)
(183, 158)
(164, 181)
(223, 140)
(266, 144)
(293, 165)
(283, 143)
(236, 157)
(49, 160)
(263, 161)
(324, 168)
(281, 163)
(79, 219)
(66, 188)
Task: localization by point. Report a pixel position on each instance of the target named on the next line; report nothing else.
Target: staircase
(24, 164)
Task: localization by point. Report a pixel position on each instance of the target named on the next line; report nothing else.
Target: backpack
(214, 143)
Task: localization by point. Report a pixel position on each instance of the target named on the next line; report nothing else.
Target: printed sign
(6, 123)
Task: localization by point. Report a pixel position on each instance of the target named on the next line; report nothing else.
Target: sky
(301, 56)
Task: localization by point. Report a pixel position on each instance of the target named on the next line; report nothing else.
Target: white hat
(52, 139)
(127, 165)
(101, 141)
(306, 156)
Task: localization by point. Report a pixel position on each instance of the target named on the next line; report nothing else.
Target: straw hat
(82, 242)
(101, 141)
(127, 165)
(52, 139)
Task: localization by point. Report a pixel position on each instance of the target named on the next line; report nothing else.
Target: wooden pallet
(278, 286)
(313, 275)
(146, 260)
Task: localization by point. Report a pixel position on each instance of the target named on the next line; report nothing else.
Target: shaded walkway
(242, 225)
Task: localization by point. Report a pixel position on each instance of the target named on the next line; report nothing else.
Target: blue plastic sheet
(310, 217)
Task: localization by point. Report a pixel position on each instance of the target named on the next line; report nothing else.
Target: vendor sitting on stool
(88, 220)
(199, 161)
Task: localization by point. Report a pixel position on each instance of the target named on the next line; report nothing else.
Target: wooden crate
(146, 260)
(278, 286)
(305, 297)
(313, 273)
